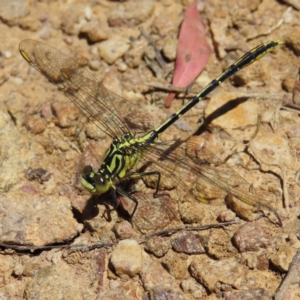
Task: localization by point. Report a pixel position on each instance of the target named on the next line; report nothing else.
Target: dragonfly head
(95, 183)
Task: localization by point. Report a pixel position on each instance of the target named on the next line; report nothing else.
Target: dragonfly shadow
(92, 210)
(219, 112)
(93, 206)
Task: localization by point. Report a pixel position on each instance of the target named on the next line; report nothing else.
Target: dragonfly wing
(113, 114)
(185, 163)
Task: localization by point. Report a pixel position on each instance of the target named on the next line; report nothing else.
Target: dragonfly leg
(139, 175)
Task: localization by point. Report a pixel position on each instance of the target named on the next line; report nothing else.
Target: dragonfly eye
(86, 171)
(87, 179)
(101, 184)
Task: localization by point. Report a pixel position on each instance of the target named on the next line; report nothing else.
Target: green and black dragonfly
(134, 142)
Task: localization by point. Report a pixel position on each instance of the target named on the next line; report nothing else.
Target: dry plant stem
(193, 92)
(154, 67)
(100, 263)
(283, 171)
(294, 3)
(292, 277)
(279, 23)
(158, 55)
(171, 88)
(81, 247)
(291, 106)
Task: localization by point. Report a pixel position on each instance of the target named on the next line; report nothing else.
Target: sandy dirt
(58, 242)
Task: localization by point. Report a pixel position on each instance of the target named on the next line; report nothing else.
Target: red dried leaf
(193, 51)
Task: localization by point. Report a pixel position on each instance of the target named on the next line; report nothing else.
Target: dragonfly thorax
(119, 159)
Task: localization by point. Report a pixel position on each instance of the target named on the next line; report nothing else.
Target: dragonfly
(135, 144)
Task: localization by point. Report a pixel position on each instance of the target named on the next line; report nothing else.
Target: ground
(58, 242)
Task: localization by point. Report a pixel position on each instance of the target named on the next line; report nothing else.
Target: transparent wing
(185, 163)
(113, 114)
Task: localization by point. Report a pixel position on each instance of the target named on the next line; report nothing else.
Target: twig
(158, 55)
(154, 67)
(285, 193)
(100, 265)
(293, 276)
(185, 228)
(170, 88)
(291, 106)
(294, 3)
(81, 247)
(279, 23)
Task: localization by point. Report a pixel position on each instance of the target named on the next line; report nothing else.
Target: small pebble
(113, 49)
(161, 292)
(158, 245)
(36, 124)
(31, 269)
(226, 216)
(251, 237)
(170, 49)
(188, 243)
(126, 258)
(191, 286)
(293, 41)
(88, 13)
(95, 31)
(259, 293)
(66, 113)
(94, 65)
(131, 13)
(283, 258)
(124, 230)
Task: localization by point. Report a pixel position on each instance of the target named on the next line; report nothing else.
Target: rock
(209, 272)
(153, 275)
(67, 113)
(31, 269)
(158, 245)
(256, 75)
(168, 20)
(34, 219)
(126, 258)
(72, 15)
(256, 260)
(283, 257)
(36, 124)
(134, 55)
(251, 237)
(11, 11)
(258, 294)
(176, 265)
(218, 243)
(288, 82)
(293, 41)
(226, 216)
(113, 49)
(170, 49)
(131, 13)
(94, 64)
(195, 289)
(95, 31)
(243, 114)
(48, 282)
(188, 242)
(273, 149)
(162, 292)
(124, 230)
(153, 213)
